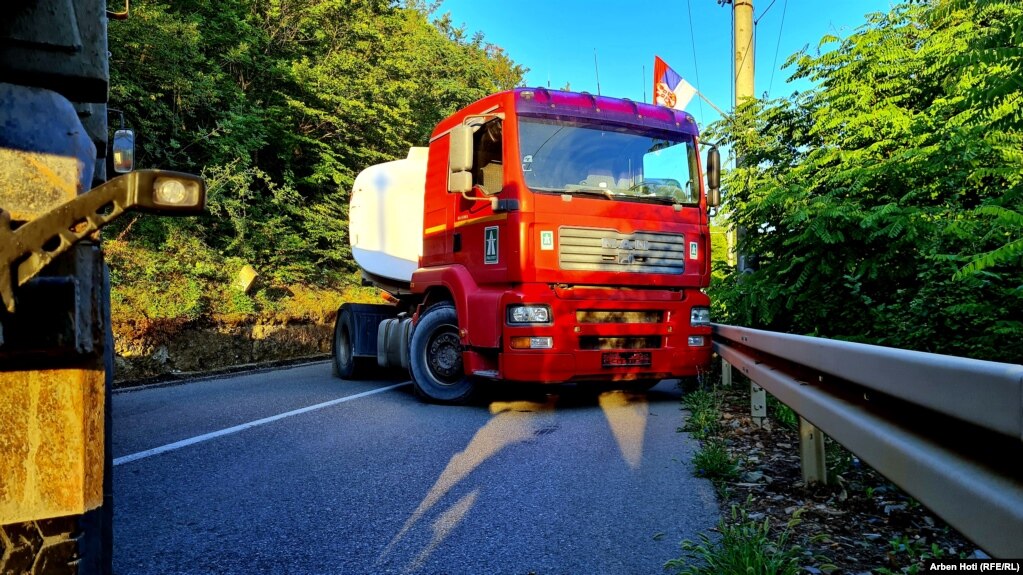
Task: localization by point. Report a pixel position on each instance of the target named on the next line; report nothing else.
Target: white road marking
(244, 426)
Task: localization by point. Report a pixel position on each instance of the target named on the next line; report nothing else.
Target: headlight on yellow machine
(174, 192)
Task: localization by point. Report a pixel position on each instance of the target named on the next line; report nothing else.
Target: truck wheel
(45, 546)
(436, 357)
(346, 365)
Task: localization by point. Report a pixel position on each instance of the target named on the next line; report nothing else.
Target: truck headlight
(525, 314)
(699, 316)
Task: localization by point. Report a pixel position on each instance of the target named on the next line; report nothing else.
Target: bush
(746, 547)
(704, 413)
(188, 281)
(714, 462)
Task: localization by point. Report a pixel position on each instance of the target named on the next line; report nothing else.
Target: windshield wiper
(593, 192)
(611, 195)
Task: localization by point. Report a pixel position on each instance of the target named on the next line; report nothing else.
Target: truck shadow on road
(518, 415)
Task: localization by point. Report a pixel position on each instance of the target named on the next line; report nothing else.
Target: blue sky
(556, 39)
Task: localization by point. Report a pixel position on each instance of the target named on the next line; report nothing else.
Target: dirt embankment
(149, 348)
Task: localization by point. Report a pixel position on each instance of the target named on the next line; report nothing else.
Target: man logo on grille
(615, 243)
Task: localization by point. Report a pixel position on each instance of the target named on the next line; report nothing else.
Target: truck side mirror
(460, 159)
(713, 177)
(124, 151)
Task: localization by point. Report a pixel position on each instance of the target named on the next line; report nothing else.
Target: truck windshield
(618, 163)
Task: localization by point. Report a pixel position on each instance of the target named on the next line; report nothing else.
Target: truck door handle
(456, 244)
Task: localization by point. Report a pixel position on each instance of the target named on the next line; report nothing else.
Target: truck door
(482, 238)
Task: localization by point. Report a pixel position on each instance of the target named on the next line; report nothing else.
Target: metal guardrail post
(758, 404)
(811, 453)
(726, 373)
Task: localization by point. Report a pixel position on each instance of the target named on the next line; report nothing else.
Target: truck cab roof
(542, 102)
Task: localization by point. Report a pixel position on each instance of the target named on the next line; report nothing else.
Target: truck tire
(346, 364)
(68, 545)
(44, 546)
(436, 358)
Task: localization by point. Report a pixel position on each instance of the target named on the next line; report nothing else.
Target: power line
(692, 38)
(757, 19)
(781, 27)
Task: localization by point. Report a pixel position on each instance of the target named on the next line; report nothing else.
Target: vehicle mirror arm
(484, 198)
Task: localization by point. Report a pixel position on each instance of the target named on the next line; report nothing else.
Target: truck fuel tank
(385, 217)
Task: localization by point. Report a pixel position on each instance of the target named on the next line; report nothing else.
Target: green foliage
(719, 256)
(704, 417)
(744, 547)
(884, 205)
(902, 549)
(714, 462)
(279, 104)
(837, 460)
(782, 413)
(162, 287)
(719, 244)
(187, 281)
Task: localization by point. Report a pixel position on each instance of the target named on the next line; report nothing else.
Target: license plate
(626, 359)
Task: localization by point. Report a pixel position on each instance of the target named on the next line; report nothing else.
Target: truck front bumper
(605, 334)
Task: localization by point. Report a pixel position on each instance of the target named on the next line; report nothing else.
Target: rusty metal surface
(51, 442)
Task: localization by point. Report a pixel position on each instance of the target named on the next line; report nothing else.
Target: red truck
(544, 236)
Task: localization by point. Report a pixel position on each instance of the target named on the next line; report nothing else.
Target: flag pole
(644, 84)
(705, 99)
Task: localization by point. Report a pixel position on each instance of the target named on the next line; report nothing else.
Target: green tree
(864, 196)
(280, 103)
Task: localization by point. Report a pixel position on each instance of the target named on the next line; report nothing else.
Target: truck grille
(618, 316)
(592, 342)
(589, 249)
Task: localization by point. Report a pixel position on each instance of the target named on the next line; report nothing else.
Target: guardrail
(947, 430)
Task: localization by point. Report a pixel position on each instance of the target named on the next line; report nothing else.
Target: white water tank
(385, 216)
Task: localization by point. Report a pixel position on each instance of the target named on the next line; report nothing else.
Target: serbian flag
(669, 88)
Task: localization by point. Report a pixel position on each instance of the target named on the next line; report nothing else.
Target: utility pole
(742, 17)
(742, 10)
(811, 440)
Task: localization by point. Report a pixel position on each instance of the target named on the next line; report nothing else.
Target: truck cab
(565, 238)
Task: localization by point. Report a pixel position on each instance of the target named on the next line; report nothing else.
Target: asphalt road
(362, 478)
